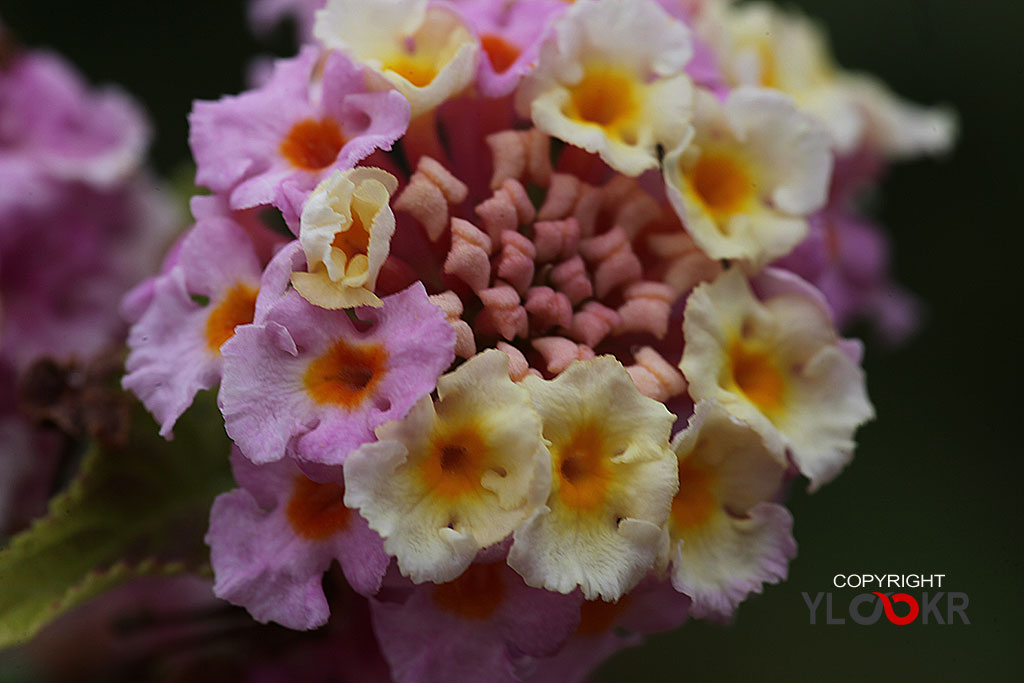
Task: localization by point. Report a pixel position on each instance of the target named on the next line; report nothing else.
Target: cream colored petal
(384, 34)
(733, 558)
(666, 47)
(602, 528)
(821, 392)
(343, 200)
(326, 210)
(317, 287)
(726, 540)
(900, 129)
(791, 148)
(415, 530)
(457, 52)
(458, 476)
(554, 551)
(367, 27)
(652, 94)
(780, 155)
(829, 403)
(745, 471)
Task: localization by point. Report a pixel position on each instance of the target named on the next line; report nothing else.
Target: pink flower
(79, 223)
(65, 264)
(54, 128)
(315, 115)
(605, 628)
(472, 627)
(510, 36)
(310, 382)
(272, 540)
(195, 307)
(847, 258)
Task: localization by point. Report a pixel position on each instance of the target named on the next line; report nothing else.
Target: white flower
(778, 366)
(614, 478)
(610, 80)
(455, 476)
(759, 44)
(727, 537)
(425, 51)
(748, 174)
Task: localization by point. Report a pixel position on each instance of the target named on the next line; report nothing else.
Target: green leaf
(139, 510)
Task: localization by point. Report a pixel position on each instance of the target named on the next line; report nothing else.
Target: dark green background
(936, 484)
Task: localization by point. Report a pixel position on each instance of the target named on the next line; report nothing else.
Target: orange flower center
(475, 595)
(317, 511)
(582, 470)
(722, 183)
(500, 52)
(695, 501)
(355, 240)
(238, 307)
(455, 463)
(346, 374)
(605, 97)
(313, 145)
(756, 374)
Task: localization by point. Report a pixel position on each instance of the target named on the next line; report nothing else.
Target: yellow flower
(613, 478)
(727, 537)
(345, 232)
(748, 174)
(616, 97)
(425, 52)
(778, 366)
(455, 476)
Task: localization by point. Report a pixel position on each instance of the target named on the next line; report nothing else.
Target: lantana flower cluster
(81, 221)
(524, 313)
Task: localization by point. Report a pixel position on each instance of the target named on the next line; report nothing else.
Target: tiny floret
(345, 233)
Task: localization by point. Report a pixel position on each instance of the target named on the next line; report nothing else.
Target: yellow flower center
(722, 183)
(417, 70)
(236, 308)
(582, 470)
(769, 73)
(455, 462)
(695, 501)
(757, 376)
(605, 97)
(346, 374)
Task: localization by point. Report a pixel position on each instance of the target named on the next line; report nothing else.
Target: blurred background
(935, 487)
